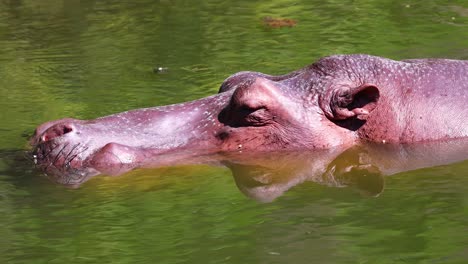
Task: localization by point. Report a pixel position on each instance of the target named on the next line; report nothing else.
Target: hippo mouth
(69, 159)
(57, 159)
(73, 163)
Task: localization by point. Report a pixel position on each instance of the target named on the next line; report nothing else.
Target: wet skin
(337, 102)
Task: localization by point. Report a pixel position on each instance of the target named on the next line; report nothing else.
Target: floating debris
(278, 22)
(160, 69)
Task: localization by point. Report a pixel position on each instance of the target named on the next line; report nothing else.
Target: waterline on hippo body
(339, 101)
(267, 176)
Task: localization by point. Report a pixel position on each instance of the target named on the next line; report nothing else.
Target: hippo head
(318, 107)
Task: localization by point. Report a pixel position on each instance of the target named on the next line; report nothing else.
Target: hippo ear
(356, 102)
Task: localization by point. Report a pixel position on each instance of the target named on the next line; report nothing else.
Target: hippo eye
(245, 115)
(247, 110)
(254, 116)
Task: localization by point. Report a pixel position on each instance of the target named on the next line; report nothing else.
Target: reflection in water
(266, 176)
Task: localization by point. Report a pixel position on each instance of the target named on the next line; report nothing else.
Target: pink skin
(337, 101)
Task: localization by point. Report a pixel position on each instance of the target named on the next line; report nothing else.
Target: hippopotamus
(338, 101)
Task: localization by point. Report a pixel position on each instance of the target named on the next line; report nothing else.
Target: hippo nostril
(56, 131)
(67, 129)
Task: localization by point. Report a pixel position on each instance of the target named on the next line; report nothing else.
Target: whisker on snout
(57, 156)
(69, 157)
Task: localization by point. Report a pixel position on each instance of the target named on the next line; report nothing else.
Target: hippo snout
(54, 129)
(56, 147)
(57, 131)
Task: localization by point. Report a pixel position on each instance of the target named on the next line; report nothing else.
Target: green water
(86, 59)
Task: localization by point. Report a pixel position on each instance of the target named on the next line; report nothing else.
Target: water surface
(91, 58)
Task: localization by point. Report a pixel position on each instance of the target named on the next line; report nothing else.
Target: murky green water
(91, 58)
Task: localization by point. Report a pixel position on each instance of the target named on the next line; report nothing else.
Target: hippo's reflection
(267, 176)
(266, 179)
